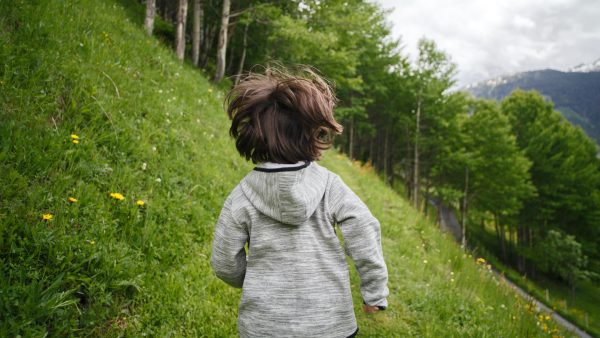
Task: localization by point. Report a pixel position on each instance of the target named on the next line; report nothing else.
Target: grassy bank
(126, 152)
(580, 308)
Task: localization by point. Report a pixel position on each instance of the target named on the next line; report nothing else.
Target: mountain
(575, 93)
(585, 68)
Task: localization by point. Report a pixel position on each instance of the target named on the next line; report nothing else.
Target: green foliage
(438, 134)
(563, 256)
(498, 171)
(565, 169)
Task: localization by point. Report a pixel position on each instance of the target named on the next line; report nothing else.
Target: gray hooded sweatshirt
(294, 276)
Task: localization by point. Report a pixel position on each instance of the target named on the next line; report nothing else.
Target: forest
(517, 167)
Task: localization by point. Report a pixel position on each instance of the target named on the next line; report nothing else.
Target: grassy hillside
(94, 110)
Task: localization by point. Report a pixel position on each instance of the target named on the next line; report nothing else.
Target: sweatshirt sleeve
(362, 239)
(228, 257)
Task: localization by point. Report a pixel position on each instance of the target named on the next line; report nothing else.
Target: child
(294, 276)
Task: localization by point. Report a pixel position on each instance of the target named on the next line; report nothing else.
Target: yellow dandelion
(480, 260)
(140, 203)
(74, 137)
(72, 199)
(547, 317)
(117, 196)
(75, 141)
(92, 242)
(47, 217)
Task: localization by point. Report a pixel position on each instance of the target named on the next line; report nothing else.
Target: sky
(490, 38)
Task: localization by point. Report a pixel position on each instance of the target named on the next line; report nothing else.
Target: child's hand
(370, 309)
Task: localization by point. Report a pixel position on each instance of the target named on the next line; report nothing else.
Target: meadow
(115, 162)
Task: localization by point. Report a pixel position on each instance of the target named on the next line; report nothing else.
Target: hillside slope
(94, 110)
(575, 94)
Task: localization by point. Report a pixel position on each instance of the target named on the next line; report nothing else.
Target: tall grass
(153, 130)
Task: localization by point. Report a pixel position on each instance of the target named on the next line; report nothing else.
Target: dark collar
(274, 170)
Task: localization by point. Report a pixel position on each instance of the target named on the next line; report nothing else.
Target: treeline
(516, 167)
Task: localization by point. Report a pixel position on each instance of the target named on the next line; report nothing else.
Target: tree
(565, 172)
(238, 76)
(562, 256)
(433, 76)
(150, 13)
(222, 45)
(196, 30)
(180, 35)
(498, 170)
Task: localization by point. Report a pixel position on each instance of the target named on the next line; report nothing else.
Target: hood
(289, 193)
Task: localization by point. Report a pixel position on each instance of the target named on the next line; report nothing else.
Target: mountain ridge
(576, 94)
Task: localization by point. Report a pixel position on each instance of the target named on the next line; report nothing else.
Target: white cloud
(523, 22)
(492, 38)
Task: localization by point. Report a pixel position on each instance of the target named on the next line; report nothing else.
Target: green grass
(153, 129)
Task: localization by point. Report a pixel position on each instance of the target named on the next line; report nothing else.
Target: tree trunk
(502, 236)
(386, 156)
(526, 243)
(391, 175)
(531, 243)
(463, 242)
(243, 56)
(230, 55)
(497, 228)
(180, 38)
(408, 169)
(230, 35)
(150, 13)
(520, 247)
(512, 246)
(166, 12)
(380, 150)
(427, 187)
(222, 46)
(209, 36)
(371, 149)
(196, 31)
(416, 168)
(351, 140)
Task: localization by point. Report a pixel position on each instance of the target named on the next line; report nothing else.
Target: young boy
(294, 276)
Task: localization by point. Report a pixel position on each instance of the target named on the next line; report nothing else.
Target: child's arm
(228, 254)
(362, 238)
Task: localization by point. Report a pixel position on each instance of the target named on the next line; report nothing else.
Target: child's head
(282, 118)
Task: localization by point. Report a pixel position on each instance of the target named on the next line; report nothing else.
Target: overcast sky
(491, 38)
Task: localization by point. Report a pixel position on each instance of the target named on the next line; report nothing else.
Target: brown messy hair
(280, 117)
